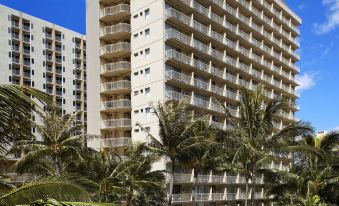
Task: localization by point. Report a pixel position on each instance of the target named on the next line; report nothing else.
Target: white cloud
(332, 19)
(306, 81)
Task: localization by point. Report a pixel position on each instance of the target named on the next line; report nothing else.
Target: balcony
(115, 13)
(123, 123)
(115, 50)
(115, 32)
(174, 15)
(117, 105)
(116, 142)
(121, 86)
(116, 68)
(15, 72)
(181, 60)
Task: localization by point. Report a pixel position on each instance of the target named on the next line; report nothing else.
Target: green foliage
(16, 110)
(251, 138)
(314, 173)
(58, 149)
(51, 187)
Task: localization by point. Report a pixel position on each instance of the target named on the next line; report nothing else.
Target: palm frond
(52, 187)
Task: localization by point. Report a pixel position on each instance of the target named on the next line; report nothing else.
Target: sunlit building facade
(148, 51)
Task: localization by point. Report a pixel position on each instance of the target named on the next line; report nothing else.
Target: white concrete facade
(45, 56)
(149, 51)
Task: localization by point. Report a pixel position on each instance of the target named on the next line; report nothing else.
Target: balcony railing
(116, 142)
(114, 29)
(113, 48)
(171, 12)
(115, 10)
(116, 104)
(118, 85)
(116, 67)
(172, 54)
(117, 123)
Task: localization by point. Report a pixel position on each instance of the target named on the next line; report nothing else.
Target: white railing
(113, 10)
(121, 84)
(116, 104)
(116, 66)
(117, 123)
(112, 48)
(116, 142)
(114, 29)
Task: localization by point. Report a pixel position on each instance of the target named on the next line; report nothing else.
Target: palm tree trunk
(129, 197)
(253, 184)
(57, 166)
(193, 188)
(246, 192)
(170, 193)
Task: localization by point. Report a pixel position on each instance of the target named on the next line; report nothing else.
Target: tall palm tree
(200, 150)
(134, 176)
(16, 111)
(255, 138)
(58, 146)
(314, 171)
(174, 121)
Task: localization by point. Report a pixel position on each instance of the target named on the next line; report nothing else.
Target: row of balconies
(113, 13)
(26, 38)
(116, 68)
(188, 40)
(16, 60)
(26, 27)
(121, 104)
(117, 86)
(212, 105)
(122, 123)
(116, 142)
(191, 62)
(214, 197)
(49, 36)
(279, 14)
(209, 14)
(207, 31)
(259, 14)
(53, 48)
(115, 50)
(213, 179)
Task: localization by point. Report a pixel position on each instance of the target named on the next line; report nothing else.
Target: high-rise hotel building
(45, 56)
(148, 51)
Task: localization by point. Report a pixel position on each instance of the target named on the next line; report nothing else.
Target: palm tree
(255, 138)
(16, 112)
(174, 121)
(58, 147)
(314, 171)
(201, 151)
(51, 187)
(134, 176)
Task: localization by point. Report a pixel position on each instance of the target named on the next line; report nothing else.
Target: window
(136, 111)
(148, 112)
(135, 16)
(148, 92)
(147, 72)
(147, 13)
(136, 73)
(147, 33)
(136, 35)
(147, 53)
(136, 54)
(136, 93)
(148, 129)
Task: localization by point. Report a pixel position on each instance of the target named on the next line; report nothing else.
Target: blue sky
(319, 51)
